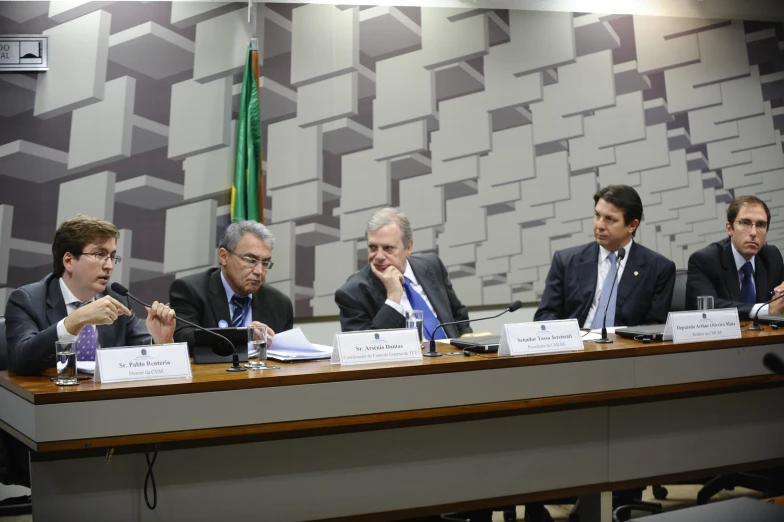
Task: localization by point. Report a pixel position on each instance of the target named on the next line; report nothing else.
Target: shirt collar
(409, 274)
(227, 287)
(604, 253)
(739, 261)
(69, 296)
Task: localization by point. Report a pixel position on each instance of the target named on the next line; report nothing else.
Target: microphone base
(236, 369)
(602, 341)
(754, 328)
(432, 354)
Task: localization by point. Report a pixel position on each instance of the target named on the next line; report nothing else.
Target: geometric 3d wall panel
(491, 129)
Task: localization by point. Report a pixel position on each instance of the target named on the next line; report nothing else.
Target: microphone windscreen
(621, 253)
(773, 363)
(120, 289)
(515, 306)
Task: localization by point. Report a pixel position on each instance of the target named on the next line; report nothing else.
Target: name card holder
(702, 325)
(376, 346)
(142, 363)
(541, 337)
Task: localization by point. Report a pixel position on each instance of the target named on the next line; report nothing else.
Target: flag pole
(254, 59)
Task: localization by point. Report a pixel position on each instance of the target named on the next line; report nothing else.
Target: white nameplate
(541, 337)
(702, 325)
(376, 346)
(142, 363)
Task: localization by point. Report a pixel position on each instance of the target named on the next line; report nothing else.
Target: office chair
(678, 303)
(12, 471)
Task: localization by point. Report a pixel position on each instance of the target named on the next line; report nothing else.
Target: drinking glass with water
(416, 319)
(257, 342)
(65, 353)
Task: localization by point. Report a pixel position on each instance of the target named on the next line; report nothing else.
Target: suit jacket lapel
(258, 308)
(730, 272)
(55, 303)
(635, 265)
(586, 273)
(218, 300)
(761, 280)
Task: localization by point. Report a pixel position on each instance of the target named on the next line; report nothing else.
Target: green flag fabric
(247, 160)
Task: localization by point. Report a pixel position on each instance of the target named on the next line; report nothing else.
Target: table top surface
(214, 377)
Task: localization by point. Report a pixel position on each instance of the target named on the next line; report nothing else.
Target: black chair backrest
(678, 303)
(3, 346)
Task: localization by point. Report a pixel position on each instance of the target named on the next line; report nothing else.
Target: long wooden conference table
(319, 441)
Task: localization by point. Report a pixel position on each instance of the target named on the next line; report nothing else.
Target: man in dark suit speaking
(73, 303)
(740, 271)
(233, 294)
(580, 278)
(377, 296)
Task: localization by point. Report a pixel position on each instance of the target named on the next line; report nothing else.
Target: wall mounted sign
(24, 53)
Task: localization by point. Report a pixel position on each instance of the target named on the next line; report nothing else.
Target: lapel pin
(636, 273)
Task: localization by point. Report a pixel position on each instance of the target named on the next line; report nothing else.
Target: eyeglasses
(101, 257)
(253, 262)
(747, 224)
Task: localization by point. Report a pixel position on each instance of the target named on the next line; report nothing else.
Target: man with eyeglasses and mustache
(73, 303)
(740, 271)
(233, 294)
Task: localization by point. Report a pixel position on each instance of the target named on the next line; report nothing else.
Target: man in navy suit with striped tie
(579, 283)
(394, 281)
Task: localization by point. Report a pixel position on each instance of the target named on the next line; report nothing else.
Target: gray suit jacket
(362, 298)
(31, 318)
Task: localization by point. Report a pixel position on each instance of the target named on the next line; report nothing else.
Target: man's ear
(68, 259)
(634, 225)
(223, 256)
(729, 228)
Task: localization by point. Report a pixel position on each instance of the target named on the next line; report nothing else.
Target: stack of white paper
(292, 345)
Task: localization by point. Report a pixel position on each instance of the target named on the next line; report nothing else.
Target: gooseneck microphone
(604, 340)
(755, 327)
(235, 358)
(433, 353)
(773, 363)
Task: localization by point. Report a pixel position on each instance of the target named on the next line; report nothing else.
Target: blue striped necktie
(238, 307)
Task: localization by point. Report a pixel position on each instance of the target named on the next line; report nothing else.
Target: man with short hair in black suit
(580, 278)
(740, 271)
(73, 303)
(394, 281)
(233, 294)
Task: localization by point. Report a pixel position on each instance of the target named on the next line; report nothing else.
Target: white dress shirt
(404, 306)
(603, 270)
(69, 298)
(739, 262)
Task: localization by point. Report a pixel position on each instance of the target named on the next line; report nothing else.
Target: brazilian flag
(247, 159)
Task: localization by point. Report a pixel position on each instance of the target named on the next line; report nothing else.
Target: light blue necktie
(598, 318)
(417, 302)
